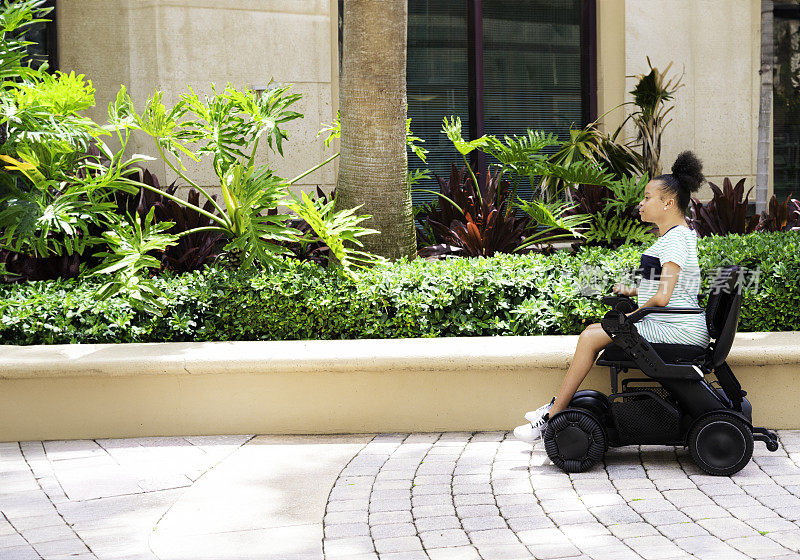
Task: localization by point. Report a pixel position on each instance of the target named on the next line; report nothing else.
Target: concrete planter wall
(348, 386)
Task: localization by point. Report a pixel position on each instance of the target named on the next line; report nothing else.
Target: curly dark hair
(685, 179)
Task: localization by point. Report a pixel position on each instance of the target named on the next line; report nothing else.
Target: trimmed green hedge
(504, 295)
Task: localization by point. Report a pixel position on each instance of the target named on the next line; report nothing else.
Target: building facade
(502, 65)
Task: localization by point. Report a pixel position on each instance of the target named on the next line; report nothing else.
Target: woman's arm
(669, 277)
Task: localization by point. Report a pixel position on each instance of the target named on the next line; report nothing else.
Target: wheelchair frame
(678, 408)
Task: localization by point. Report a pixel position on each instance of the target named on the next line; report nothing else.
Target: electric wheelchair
(675, 404)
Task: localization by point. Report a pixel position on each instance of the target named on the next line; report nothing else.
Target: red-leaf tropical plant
(469, 225)
(781, 216)
(191, 251)
(470, 221)
(725, 213)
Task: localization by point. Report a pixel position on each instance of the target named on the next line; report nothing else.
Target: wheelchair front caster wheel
(772, 446)
(721, 444)
(574, 440)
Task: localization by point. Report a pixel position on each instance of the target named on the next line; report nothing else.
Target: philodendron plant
(229, 126)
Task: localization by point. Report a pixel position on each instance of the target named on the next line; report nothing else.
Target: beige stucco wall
(717, 43)
(168, 44)
(172, 44)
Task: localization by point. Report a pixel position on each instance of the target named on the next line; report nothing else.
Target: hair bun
(688, 169)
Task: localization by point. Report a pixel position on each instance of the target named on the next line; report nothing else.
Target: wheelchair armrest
(634, 317)
(620, 303)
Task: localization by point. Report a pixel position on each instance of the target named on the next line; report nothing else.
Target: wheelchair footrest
(769, 437)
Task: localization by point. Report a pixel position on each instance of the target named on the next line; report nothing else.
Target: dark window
(503, 66)
(786, 101)
(43, 35)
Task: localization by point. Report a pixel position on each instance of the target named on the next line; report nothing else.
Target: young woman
(670, 277)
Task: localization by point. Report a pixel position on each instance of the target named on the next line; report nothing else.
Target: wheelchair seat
(613, 355)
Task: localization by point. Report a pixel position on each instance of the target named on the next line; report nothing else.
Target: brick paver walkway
(488, 496)
(481, 496)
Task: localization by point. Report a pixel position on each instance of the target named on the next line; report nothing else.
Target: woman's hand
(621, 290)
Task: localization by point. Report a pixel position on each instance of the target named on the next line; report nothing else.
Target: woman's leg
(592, 340)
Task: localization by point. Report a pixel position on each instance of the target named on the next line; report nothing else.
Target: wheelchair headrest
(723, 291)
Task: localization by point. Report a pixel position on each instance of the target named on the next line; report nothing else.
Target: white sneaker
(537, 428)
(534, 415)
(525, 433)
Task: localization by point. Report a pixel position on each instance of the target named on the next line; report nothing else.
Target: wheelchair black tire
(721, 444)
(574, 440)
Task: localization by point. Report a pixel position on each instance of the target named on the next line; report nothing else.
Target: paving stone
(677, 530)
(392, 485)
(628, 530)
(341, 517)
(771, 524)
(492, 537)
(465, 512)
(457, 553)
(782, 502)
(393, 494)
(444, 538)
(518, 524)
(704, 512)
(484, 523)
(398, 544)
(388, 474)
(504, 552)
(345, 530)
(432, 489)
(713, 490)
(423, 480)
(437, 523)
(472, 489)
(393, 530)
(674, 484)
(638, 494)
(615, 514)
(633, 483)
(473, 499)
(605, 499)
(20, 553)
(664, 517)
(546, 551)
(736, 500)
(472, 478)
(70, 546)
(572, 517)
(690, 497)
(746, 513)
(757, 546)
(521, 510)
(581, 531)
(409, 555)
(432, 500)
(397, 504)
(433, 511)
(511, 500)
(650, 505)
(551, 506)
(346, 505)
(385, 517)
(708, 547)
(788, 539)
(653, 547)
(727, 528)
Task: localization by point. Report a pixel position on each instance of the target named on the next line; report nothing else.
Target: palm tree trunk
(765, 107)
(373, 166)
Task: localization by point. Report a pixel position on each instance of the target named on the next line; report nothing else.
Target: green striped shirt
(677, 245)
